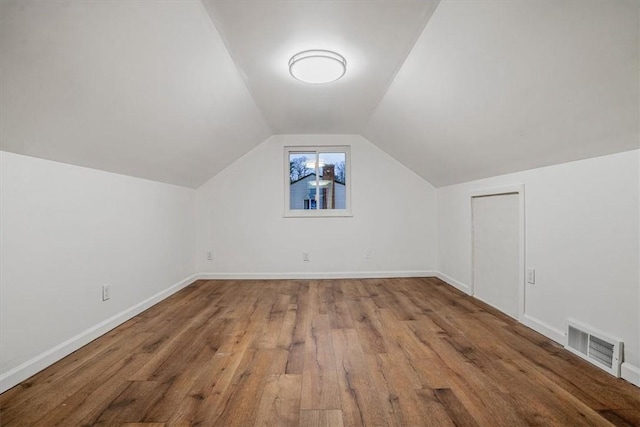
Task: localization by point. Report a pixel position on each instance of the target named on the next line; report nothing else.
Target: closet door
(496, 251)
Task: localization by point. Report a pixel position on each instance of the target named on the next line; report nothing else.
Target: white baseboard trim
(545, 329)
(317, 275)
(36, 364)
(537, 325)
(453, 282)
(630, 373)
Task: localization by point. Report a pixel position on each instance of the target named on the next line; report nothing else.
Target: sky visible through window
(299, 170)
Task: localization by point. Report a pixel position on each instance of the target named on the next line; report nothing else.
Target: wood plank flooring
(378, 352)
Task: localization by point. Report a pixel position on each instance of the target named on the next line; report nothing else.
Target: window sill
(333, 213)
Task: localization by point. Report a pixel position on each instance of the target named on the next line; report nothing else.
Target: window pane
(331, 181)
(316, 182)
(301, 172)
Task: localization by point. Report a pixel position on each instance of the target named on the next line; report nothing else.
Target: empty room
(320, 213)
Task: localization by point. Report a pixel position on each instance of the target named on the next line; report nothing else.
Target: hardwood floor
(399, 352)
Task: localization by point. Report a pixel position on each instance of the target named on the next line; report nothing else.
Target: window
(317, 181)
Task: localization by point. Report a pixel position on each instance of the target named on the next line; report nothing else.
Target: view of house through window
(317, 180)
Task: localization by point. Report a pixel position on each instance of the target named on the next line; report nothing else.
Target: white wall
(65, 231)
(582, 228)
(240, 218)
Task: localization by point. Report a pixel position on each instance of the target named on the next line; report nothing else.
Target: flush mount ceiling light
(317, 66)
(311, 164)
(321, 183)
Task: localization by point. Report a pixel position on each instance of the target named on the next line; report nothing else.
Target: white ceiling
(493, 87)
(375, 38)
(141, 88)
(175, 91)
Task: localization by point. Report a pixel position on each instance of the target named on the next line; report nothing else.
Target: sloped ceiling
(142, 88)
(375, 37)
(175, 91)
(504, 86)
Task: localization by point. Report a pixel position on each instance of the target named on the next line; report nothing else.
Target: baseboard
(317, 275)
(537, 325)
(630, 373)
(453, 282)
(49, 357)
(545, 329)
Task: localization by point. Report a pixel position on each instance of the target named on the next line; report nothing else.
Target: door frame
(497, 191)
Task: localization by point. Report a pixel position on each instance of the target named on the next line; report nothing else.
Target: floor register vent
(603, 351)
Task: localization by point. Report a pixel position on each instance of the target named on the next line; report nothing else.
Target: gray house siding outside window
(303, 193)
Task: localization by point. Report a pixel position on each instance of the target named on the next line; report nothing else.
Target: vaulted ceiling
(455, 90)
(375, 37)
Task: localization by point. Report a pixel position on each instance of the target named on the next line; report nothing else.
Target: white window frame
(317, 213)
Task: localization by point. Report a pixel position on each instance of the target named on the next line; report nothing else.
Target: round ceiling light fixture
(317, 66)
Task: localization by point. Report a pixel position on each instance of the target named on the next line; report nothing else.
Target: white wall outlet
(531, 275)
(209, 256)
(305, 256)
(106, 292)
(368, 253)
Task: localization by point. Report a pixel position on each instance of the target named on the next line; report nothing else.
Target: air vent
(603, 351)
(578, 340)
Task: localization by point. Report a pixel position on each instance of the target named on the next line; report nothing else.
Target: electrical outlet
(305, 256)
(531, 275)
(209, 256)
(368, 253)
(106, 292)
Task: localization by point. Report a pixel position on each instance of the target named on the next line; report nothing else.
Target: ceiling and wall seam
(219, 29)
(427, 16)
